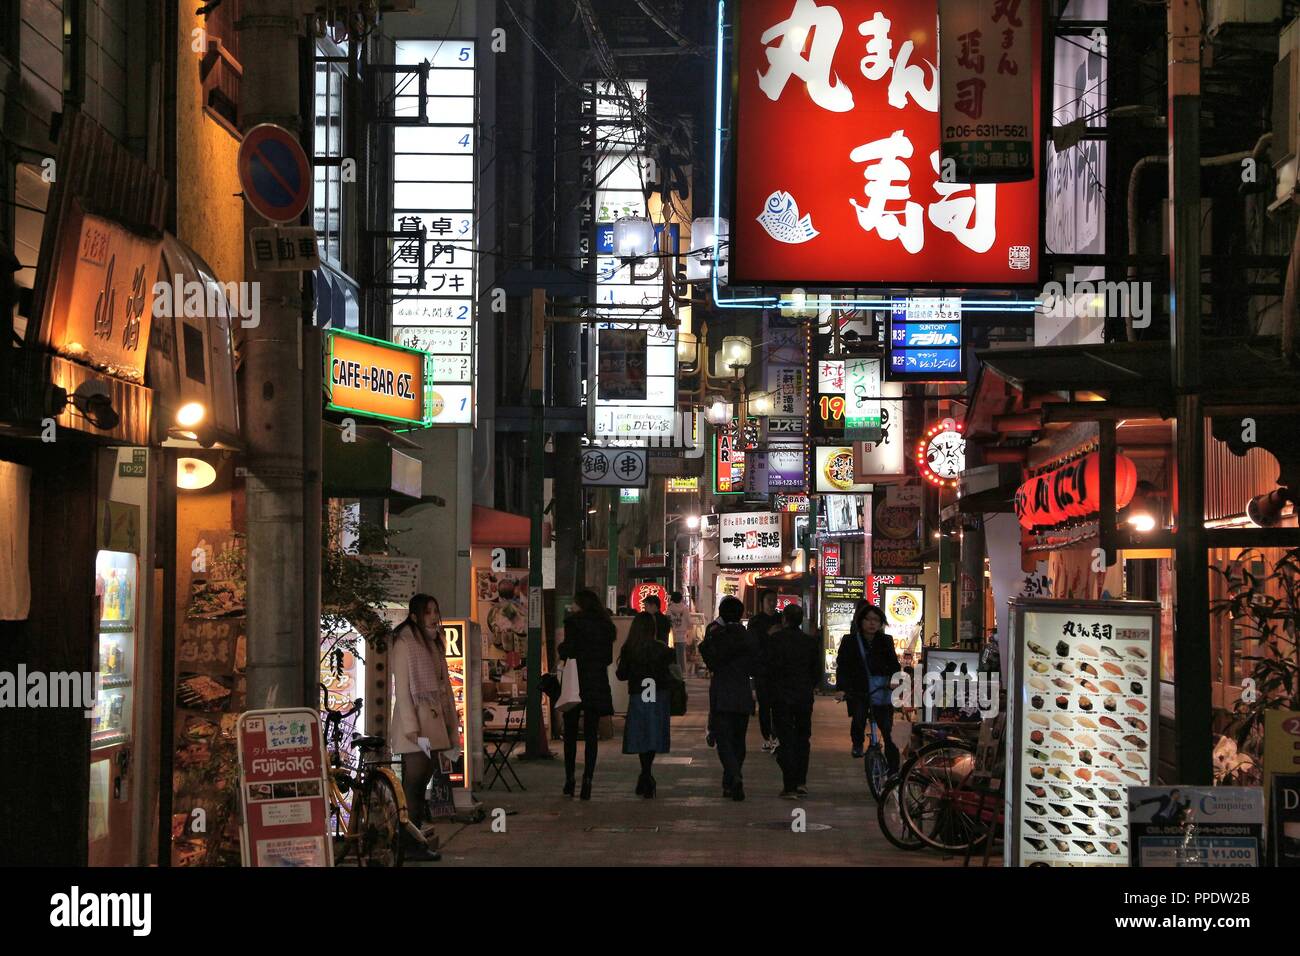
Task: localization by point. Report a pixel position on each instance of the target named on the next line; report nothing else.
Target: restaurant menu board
(1196, 826)
(1084, 711)
(840, 597)
(282, 786)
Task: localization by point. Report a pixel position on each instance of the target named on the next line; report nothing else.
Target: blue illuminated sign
(925, 342)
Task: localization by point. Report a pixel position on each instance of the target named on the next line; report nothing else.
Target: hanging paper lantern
(1072, 491)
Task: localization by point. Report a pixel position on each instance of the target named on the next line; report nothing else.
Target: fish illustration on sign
(782, 221)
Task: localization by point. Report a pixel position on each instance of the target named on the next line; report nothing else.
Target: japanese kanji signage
(884, 459)
(616, 467)
(862, 399)
(284, 248)
(103, 301)
(862, 198)
(434, 191)
(379, 380)
(749, 539)
(282, 787)
(986, 93)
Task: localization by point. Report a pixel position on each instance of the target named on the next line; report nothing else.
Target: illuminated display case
(115, 593)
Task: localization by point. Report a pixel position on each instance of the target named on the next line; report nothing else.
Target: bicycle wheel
(936, 810)
(889, 816)
(877, 770)
(379, 828)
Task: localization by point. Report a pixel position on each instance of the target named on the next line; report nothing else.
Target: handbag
(676, 691)
(570, 692)
(877, 687)
(433, 728)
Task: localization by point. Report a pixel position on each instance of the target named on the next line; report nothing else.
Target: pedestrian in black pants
(760, 627)
(731, 656)
(794, 669)
(866, 657)
(589, 639)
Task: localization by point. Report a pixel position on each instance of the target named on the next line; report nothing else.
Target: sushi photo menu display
(1084, 711)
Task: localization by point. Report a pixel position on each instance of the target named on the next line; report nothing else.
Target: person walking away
(679, 615)
(589, 639)
(794, 669)
(662, 624)
(424, 721)
(643, 663)
(760, 626)
(732, 656)
(864, 654)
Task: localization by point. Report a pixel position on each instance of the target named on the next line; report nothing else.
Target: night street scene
(799, 437)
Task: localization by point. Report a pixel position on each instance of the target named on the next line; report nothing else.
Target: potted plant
(1265, 611)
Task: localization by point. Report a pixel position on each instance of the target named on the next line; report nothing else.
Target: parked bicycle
(367, 806)
(932, 801)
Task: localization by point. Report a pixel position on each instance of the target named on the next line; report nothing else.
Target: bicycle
(367, 806)
(939, 808)
(889, 815)
(875, 765)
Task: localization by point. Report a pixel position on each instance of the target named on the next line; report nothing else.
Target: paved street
(688, 822)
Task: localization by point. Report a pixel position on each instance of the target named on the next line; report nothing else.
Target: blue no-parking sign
(275, 172)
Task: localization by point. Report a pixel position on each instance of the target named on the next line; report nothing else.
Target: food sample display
(1083, 716)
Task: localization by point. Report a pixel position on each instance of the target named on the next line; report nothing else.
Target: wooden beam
(1097, 412)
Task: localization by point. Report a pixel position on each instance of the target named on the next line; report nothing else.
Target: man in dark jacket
(761, 625)
(794, 669)
(662, 623)
(732, 657)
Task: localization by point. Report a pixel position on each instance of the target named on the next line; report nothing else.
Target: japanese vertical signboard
(857, 82)
(896, 534)
(862, 399)
(102, 304)
(1083, 711)
(729, 456)
(618, 167)
(987, 65)
(434, 191)
(282, 787)
(840, 597)
(925, 340)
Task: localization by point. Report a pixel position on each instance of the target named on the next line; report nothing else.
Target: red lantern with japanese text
(649, 589)
(837, 155)
(1072, 491)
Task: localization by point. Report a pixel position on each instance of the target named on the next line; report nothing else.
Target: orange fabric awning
(499, 529)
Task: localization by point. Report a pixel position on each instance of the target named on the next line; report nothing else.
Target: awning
(786, 579)
(191, 356)
(499, 529)
(372, 466)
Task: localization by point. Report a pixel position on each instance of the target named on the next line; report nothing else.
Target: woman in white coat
(424, 710)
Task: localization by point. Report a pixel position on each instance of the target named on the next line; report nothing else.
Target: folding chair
(503, 741)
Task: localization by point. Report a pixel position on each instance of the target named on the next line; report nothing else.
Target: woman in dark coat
(589, 639)
(647, 729)
(867, 653)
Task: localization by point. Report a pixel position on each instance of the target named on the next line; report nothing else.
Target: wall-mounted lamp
(194, 473)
